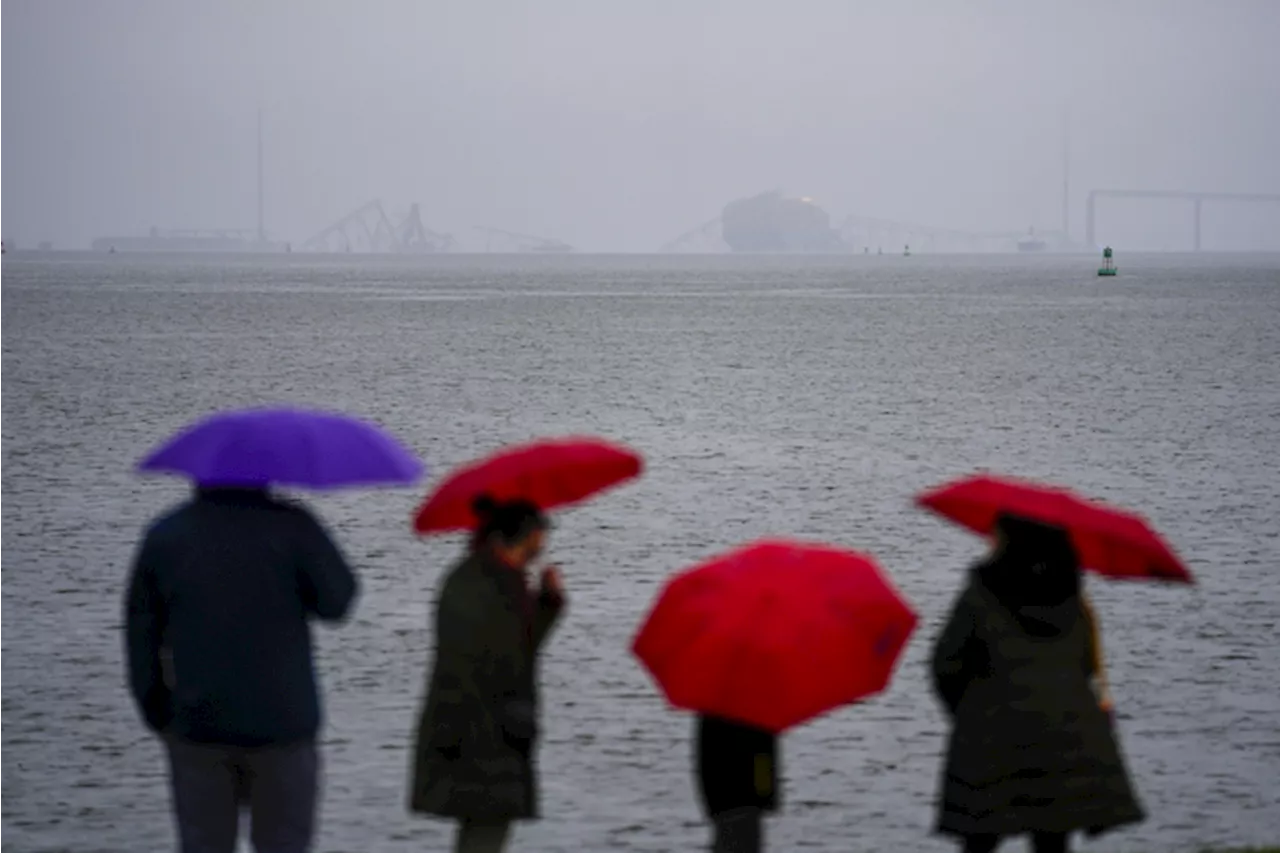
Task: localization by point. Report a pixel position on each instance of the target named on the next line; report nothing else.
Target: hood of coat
(1037, 618)
(1035, 575)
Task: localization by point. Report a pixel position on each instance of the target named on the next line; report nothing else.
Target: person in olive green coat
(473, 759)
(1031, 750)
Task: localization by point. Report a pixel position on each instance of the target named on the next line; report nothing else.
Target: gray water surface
(807, 397)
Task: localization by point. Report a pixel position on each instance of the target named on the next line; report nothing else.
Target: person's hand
(1109, 709)
(551, 582)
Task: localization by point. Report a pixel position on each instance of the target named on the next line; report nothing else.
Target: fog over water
(616, 127)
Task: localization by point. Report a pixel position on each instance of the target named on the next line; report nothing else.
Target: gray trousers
(738, 831)
(482, 837)
(211, 784)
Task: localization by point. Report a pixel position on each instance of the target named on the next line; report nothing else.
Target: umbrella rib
(743, 649)
(312, 442)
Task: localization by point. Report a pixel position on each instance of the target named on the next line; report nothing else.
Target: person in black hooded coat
(1031, 750)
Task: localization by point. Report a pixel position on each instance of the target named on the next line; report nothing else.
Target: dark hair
(1037, 564)
(509, 521)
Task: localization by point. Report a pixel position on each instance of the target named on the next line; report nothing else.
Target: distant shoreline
(25, 253)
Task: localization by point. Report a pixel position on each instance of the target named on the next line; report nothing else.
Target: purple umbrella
(293, 447)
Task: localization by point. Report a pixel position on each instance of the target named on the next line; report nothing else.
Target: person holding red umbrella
(759, 640)
(737, 770)
(474, 751)
(1030, 750)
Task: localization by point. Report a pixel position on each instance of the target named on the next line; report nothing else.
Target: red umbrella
(775, 633)
(1110, 541)
(550, 473)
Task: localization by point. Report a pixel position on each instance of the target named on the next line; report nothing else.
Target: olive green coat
(1030, 748)
(473, 755)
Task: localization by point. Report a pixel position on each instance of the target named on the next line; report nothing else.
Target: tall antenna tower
(1066, 175)
(262, 228)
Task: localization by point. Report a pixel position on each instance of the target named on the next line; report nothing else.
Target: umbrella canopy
(1110, 541)
(292, 447)
(775, 633)
(551, 473)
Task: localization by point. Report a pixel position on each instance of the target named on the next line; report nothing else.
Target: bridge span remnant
(1197, 200)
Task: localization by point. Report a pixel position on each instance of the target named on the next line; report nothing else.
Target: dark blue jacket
(217, 632)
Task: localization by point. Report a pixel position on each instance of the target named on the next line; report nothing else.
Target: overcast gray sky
(618, 125)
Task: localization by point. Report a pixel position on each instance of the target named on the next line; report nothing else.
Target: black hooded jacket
(1030, 749)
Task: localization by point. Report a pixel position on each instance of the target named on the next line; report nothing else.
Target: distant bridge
(1197, 200)
(368, 229)
(865, 232)
(707, 237)
(511, 241)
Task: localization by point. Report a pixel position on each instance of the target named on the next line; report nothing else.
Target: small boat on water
(1031, 243)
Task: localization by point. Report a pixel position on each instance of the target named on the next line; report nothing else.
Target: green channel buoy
(1108, 267)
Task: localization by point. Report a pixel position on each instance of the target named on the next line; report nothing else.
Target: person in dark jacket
(738, 779)
(218, 644)
(1031, 750)
(473, 759)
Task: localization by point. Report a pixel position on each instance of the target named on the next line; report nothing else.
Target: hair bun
(484, 506)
